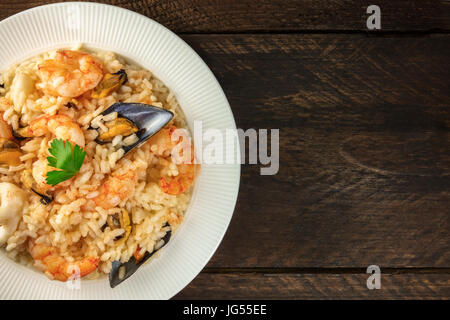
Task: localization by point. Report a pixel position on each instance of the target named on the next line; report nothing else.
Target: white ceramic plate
(201, 97)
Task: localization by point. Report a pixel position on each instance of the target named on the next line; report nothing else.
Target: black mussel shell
(131, 266)
(147, 118)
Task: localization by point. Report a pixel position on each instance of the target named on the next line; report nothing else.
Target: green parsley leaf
(55, 177)
(65, 158)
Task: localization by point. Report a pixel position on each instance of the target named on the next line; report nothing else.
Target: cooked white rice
(72, 223)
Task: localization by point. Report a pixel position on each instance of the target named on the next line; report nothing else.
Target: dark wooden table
(364, 123)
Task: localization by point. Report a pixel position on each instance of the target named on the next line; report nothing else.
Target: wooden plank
(316, 286)
(364, 149)
(211, 16)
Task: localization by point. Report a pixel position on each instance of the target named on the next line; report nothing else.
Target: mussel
(134, 118)
(72, 103)
(9, 153)
(22, 133)
(31, 184)
(110, 83)
(121, 220)
(122, 271)
(118, 126)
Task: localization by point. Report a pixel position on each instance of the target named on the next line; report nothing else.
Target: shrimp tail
(59, 268)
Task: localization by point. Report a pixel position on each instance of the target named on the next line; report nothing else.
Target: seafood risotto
(73, 201)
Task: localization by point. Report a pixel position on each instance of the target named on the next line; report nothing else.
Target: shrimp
(60, 125)
(180, 183)
(5, 129)
(163, 143)
(5, 104)
(51, 263)
(69, 74)
(118, 187)
(36, 181)
(39, 174)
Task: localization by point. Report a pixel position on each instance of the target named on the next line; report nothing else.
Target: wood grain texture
(214, 16)
(364, 149)
(364, 143)
(316, 286)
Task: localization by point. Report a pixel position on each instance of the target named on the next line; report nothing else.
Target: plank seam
(379, 33)
(387, 270)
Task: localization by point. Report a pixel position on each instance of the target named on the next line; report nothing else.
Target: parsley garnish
(65, 158)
